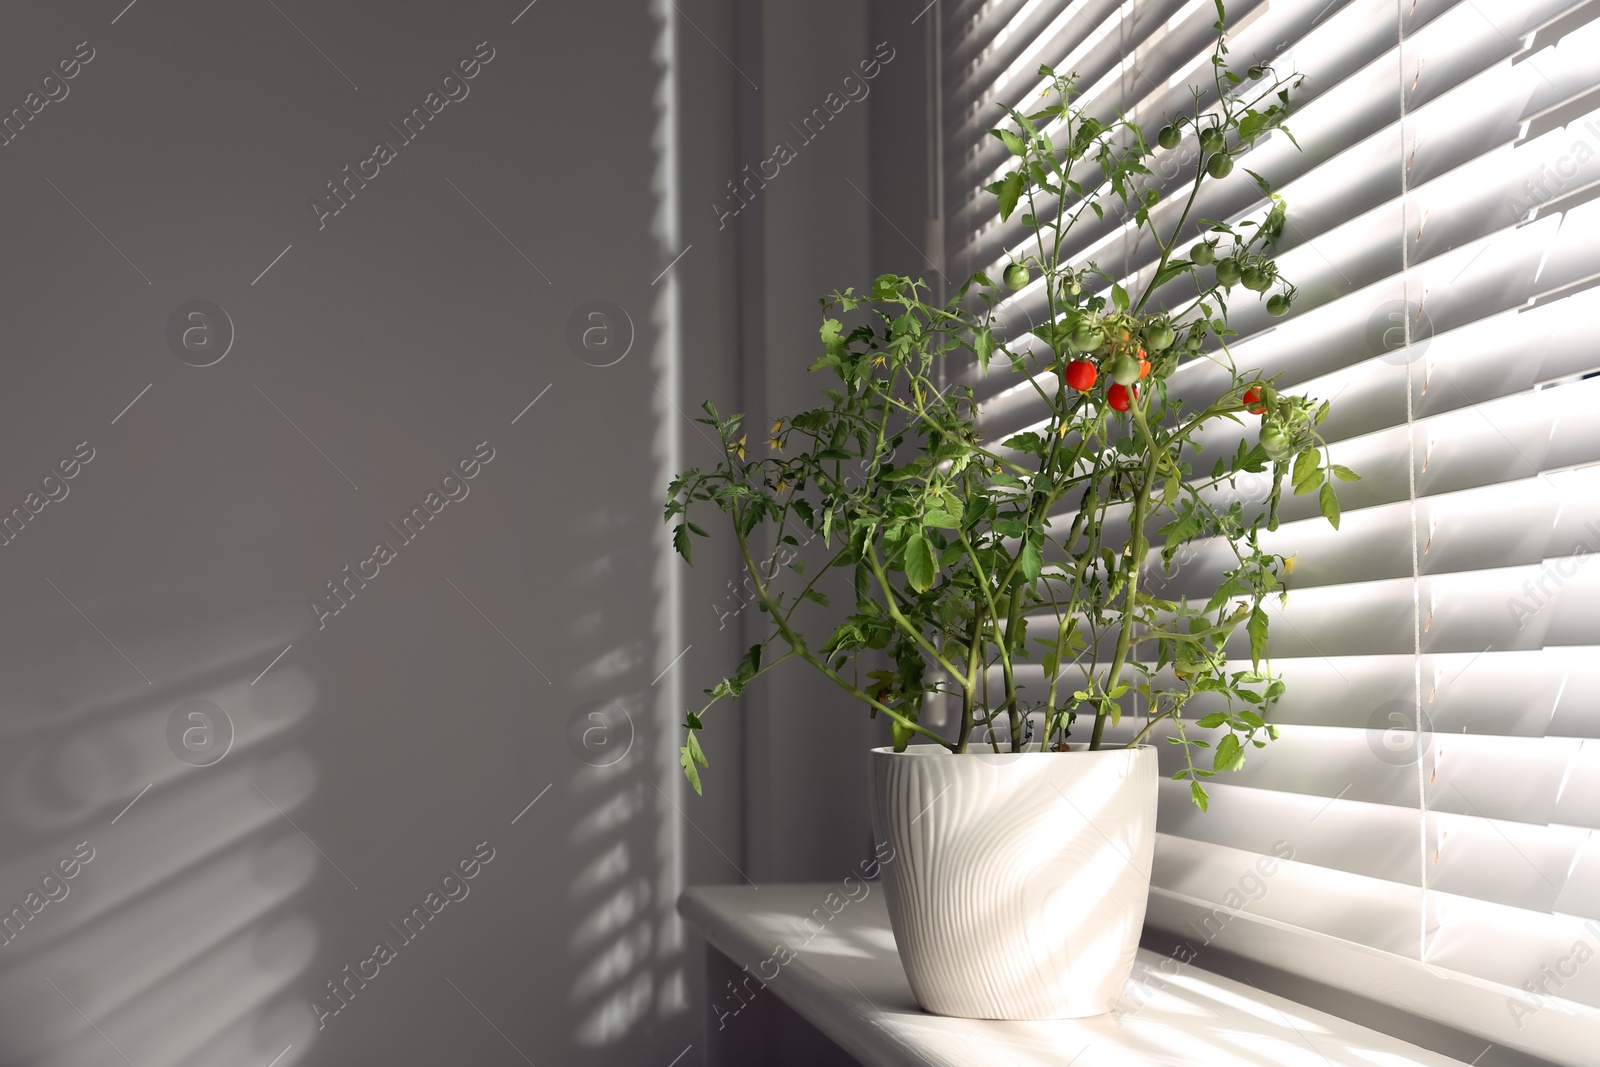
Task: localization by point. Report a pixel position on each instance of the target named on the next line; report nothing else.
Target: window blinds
(1438, 774)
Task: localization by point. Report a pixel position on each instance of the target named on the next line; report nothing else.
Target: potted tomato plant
(1012, 579)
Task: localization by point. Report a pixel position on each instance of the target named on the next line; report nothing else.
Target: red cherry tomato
(1119, 397)
(1081, 375)
(1253, 402)
(1144, 365)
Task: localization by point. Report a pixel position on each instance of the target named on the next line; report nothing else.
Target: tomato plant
(971, 559)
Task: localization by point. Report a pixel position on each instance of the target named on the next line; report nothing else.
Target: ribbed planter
(1018, 883)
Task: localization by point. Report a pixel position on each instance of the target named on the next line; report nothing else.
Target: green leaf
(921, 567)
(1330, 505)
(751, 663)
(863, 583)
(1028, 442)
(680, 541)
(1212, 721)
(983, 346)
(1119, 297)
(1344, 474)
(686, 760)
(1229, 755)
(1199, 794)
(1013, 143)
(1030, 559)
(692, 722)
(1257, 629)
(941, 519)
(1307, 472)
(1010, 191)
(753, 511)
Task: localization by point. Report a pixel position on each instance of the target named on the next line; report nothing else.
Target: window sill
(846, 980)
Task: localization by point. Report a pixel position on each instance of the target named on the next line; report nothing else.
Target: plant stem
(1137, 547)
(798, 644)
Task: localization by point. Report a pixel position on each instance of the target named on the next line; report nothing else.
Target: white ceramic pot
(1018, 883)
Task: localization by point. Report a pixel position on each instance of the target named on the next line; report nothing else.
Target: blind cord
(1411, 481)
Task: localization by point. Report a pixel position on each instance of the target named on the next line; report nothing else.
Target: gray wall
(422, 719)
(836, 215)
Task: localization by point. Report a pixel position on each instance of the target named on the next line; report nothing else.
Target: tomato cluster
(1122, 348)
(1286, 421)
(1255, 272)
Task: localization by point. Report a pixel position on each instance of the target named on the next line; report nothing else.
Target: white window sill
(845, 979)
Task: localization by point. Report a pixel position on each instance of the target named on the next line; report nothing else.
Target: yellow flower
(776, 426)
(879, 360)
(775, 444)
(737, 448)
(1289, 562)
(782, 485)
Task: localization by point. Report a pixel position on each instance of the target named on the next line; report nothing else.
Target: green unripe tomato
(1212, 139)
(1220, 165)
(1203, 253)
(1015, 277)
(1071, 286)
(1278, 305)
(1085, 338)
(1169, 137)
(1256, 280)
(1275, 441)
(1256, 72)
(1229, 272)
(1124, 369)
(1158, 336)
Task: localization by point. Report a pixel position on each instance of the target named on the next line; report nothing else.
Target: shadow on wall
(181, 909)
(154, 871)
(629, 949)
